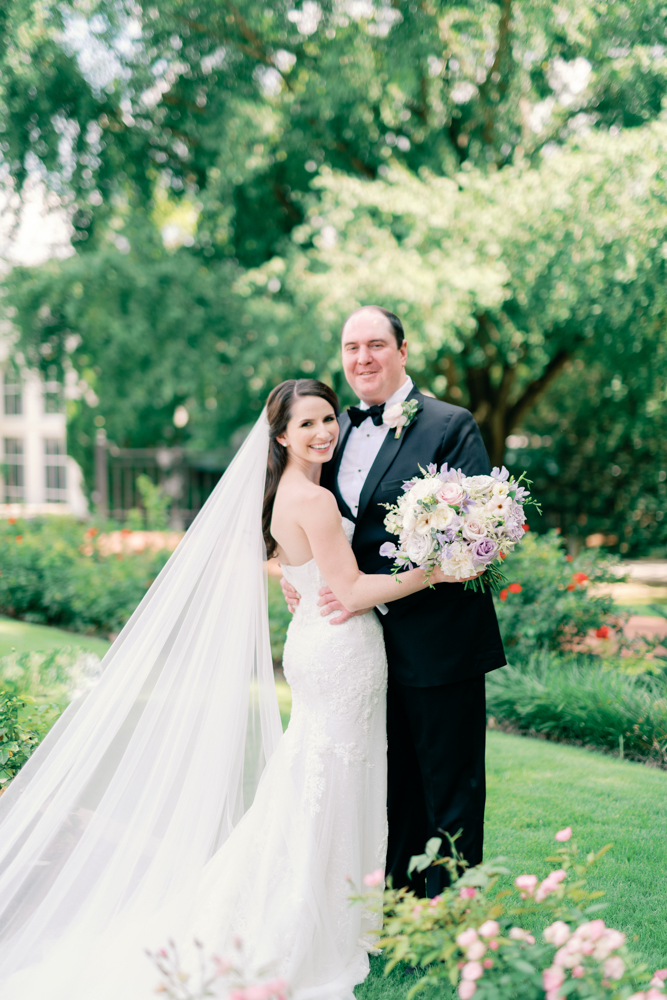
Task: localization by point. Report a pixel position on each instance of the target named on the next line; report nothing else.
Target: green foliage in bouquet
(551, 602)
(23, 725)
(53, 573)
(473, 935)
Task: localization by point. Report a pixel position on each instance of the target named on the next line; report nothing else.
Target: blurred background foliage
(239, 175)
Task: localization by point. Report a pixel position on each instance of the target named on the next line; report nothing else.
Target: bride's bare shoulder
(306, 496)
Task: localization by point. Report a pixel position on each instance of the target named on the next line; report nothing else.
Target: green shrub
(23, 725)
(570, 699)
(550, 603)
(46, 576)
(54, 675)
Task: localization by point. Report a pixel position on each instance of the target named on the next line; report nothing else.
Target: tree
(501, 278)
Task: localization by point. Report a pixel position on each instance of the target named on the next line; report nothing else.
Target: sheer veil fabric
(143, 779)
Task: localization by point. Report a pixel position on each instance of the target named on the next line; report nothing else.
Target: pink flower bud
(375, 878)
(488, 963)
(552, 978)
(557, 933)
(614, 967)
(565, 834)
(490, 928)
(468, 893)
(472, 971)
(416, 910)
(578, 972)
(493, 945)
(434, 902)
(467, 989)
(466, 938)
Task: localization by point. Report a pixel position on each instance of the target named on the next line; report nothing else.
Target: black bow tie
(357, 415)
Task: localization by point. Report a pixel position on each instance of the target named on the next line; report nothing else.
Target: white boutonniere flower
(400, 415)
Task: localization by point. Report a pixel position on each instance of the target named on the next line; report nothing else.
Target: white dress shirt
(361, 450)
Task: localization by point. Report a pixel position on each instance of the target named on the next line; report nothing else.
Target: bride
(166, 803)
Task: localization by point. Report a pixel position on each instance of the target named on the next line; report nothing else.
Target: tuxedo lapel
(332, 478)
(386, 455)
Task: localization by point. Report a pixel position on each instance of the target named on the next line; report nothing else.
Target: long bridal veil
(142, 779)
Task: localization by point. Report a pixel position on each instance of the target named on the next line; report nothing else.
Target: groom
(440, 642)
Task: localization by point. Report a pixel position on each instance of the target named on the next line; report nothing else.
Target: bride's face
(312, 431)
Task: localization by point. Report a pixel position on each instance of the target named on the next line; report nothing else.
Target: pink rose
(434, 902)
(552, 978)
(565, 834)
(578, 972)
(450, 493)
(614, 967)
(654, 994)
(375, 878)
(466, 989)
(466, 938)
(557, 933)
(490, 928)
(527, 883)
(549, 884)
(472, 971)
(494, 946)
(476, 950)
(660, 974)
(468, 893)
(488, 963)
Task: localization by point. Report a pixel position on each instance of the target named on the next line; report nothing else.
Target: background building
(37, 476)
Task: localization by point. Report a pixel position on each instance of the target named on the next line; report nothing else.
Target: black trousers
(436, 779)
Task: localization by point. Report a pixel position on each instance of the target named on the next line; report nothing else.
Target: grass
(22, 637)
(536, 788)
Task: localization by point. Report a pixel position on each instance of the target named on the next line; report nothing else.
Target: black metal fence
(117, 471)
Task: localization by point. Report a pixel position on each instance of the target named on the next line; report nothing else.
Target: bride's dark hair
(278, 411)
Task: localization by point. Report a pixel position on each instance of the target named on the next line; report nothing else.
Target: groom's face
(373, 363)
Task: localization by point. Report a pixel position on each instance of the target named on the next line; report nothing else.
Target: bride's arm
(320, 519)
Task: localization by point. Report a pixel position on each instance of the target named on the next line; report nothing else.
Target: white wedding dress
(282, 881)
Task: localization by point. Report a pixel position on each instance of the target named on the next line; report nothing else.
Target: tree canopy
(239, 176)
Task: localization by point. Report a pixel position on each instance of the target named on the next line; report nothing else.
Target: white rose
(424, 488)
(460, 563)
(393, 416)
(501, 489)
(479, 484)
(418, 548)
(424, 523)
(410, 518)
(442, 516)
(474, 527)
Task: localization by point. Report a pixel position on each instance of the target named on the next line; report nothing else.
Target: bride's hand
(438, 576)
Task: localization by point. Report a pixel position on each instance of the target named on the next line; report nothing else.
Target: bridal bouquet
(464, 524)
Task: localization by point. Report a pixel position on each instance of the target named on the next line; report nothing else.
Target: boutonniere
(400, 415)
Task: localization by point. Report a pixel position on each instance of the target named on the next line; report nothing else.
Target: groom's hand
(290, 594)
(329, 602)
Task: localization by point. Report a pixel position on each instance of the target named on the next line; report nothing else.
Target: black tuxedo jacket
(440, 635)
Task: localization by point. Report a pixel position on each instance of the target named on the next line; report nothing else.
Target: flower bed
(541, 938)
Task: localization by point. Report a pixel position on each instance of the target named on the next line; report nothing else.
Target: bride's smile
(311, 433)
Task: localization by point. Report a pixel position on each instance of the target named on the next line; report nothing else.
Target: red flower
(526, 527)
(569, 558)
(91, 532)
(11, 520)
(571, 586)
(503, 555)
(515, 588)
(126, 531)
(579, 577)
(19, 538)
(503, 595)
(602, 632)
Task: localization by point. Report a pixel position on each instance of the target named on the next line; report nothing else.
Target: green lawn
(536, 788)
(22, 637)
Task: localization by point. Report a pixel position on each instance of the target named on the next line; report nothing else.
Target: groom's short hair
(392, 319)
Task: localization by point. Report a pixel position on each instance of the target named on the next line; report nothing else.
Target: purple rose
(484, 550)
(388, 549)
